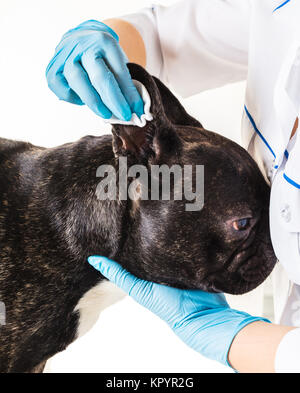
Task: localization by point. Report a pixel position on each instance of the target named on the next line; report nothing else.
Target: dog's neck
(62, 182)
(92, 225)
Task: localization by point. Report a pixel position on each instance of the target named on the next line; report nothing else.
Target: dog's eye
(241, 225)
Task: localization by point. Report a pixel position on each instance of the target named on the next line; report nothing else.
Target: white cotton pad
(135, 120)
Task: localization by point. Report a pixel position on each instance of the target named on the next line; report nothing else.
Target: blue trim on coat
(292, 182)
(258, 132)
(281, 5)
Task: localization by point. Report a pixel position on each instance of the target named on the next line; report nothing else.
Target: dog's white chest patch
(93, 302)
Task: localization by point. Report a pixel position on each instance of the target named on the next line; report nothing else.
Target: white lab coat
(196, 45)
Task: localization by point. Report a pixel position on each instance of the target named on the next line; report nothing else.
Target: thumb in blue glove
(204, 321)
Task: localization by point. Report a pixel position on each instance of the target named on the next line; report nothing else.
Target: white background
(126, 337)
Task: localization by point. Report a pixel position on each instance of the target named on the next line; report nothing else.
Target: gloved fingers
(104, 82)
(91, 51)
(116, 60)
(63, 91)
(80, 83)
(133, 286)
(58, 83)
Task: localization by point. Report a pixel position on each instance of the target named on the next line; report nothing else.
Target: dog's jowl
(51, 220)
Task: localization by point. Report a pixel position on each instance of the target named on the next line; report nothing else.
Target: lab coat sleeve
(196, 45)
(287, 358)
(285, 212)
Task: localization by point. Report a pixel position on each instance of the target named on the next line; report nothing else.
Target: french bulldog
(51, 220)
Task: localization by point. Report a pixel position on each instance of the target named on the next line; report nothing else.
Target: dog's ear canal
(157, 141)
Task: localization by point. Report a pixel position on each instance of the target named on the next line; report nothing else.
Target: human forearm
(204, 321)
(130, 40)
(254, 347)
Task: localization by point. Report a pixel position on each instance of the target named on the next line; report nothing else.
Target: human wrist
(254, 347)
(235, 349)
(212, 332)
(130, 40)
(145, 22)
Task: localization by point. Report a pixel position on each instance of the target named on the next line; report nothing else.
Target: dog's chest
(93, 302)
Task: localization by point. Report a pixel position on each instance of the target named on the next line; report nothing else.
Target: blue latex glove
(89, 67)
(204, 321)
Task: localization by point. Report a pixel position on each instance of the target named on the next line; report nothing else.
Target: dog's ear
(157, 140)
(173, 109)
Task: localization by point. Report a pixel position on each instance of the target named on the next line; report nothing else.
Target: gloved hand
(204, 321)
(89, 67)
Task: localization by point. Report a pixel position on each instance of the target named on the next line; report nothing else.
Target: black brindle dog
(51, 220)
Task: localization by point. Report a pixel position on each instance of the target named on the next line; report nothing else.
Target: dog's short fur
(51, 221)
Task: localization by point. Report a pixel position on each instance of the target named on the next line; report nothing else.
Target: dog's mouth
(245, 270)
(241, 271)
(251, 275)
(248, 267)
(255, 264)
